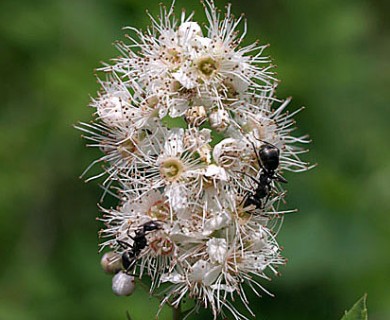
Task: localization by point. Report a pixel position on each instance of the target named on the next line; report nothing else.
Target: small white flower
(111, 110)
(230, 154)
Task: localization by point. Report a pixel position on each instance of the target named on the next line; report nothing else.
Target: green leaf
(358, 311)
(172, 123)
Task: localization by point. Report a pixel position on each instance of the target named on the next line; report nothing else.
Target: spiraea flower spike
(195, 146)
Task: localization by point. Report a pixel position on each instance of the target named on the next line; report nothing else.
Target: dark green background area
(332, 56)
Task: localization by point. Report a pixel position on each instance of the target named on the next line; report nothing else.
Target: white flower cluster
(185, 119)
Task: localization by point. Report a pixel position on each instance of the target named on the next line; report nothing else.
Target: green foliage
(358, 311)
(174, 122)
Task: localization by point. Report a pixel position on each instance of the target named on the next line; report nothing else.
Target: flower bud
(111, 262)
(189, 29)
(123, 284)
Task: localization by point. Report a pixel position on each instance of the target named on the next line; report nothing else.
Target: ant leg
(279, 178)
(261, 204)
(265, 200)
(128, 233)
(129, 260)
(247, 195)
(130, 270)
(257, 203)
(123, 244)
(270, 144)
(257, 156)
(245, 174)
(131, 274)
(266, 142)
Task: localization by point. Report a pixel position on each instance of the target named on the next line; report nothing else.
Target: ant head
(269, 155)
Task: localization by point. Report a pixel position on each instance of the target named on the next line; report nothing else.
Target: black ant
(268, 160)
(130, 256)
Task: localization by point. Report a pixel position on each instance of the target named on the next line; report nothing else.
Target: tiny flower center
(162, 247)
(207, 66)
(171, 169)
(243, 215)
(126, 149)
(208, 183)
(159, 210)
(176, 86)
(229, 92)
(172, 56)
(149, 103)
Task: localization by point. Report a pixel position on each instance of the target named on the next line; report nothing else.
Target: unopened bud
(189, 30)
(111, 262)
(123, 284)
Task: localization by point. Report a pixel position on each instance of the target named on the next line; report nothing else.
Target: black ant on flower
(268, 159)
(132, 252)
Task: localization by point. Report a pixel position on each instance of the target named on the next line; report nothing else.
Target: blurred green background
(332, 56)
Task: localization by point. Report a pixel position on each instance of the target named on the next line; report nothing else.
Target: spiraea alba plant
(195, 145)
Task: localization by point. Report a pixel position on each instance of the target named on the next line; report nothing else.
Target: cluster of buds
(194, 144)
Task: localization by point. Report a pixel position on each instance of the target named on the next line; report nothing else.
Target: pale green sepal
(358, 311)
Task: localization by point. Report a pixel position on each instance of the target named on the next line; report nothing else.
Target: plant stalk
(176, 313)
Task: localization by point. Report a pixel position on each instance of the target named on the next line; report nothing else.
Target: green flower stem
(176, 313)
